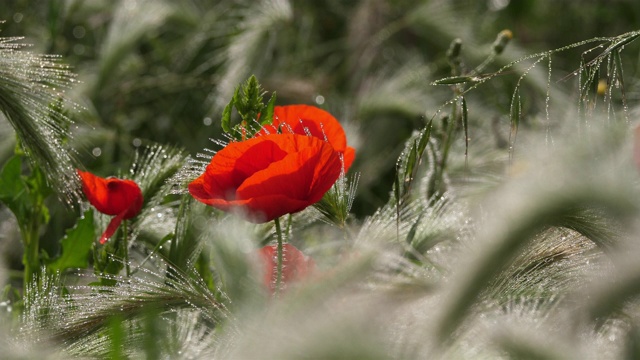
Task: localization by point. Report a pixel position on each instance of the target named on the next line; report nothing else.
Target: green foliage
(15, 193)
(109, 260)
(117, 338)
(450, 239)
(247, 100)
(76, 245)
(408, 162)
(31, 87)
(336, 203)
(24, 195)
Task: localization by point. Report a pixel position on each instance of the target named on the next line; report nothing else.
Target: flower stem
(279, 252)
(31, 257)
(126, 247)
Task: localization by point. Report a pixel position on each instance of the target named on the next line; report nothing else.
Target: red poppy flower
(112, 196)
(268, 176)
(295, 265)
(310, 120)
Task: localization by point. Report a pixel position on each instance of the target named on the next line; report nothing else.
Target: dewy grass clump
(383, 208)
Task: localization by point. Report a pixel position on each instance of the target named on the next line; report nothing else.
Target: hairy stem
(279, 252)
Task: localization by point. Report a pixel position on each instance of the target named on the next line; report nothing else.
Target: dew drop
(319, 99)
(79, 32)
(78, 49)
(207, 121)
(96, 151)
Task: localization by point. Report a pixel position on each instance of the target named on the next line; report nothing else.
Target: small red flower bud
(112, 196)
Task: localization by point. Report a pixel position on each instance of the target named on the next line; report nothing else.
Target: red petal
(305, 120)
(261, 209)
(230, 166)
(312, 169)
(111, 228)
(268, 176)
(310, 120)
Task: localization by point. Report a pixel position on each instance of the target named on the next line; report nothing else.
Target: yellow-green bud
(501, 41)
(455, 48)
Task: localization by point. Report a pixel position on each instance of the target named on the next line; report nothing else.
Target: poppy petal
(309, 120)
(231, 165)
(266, 208)
(297, 181)
(300, 175)
(111, 228)
(268, 176)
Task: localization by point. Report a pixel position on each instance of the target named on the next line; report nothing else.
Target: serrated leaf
(76, 245)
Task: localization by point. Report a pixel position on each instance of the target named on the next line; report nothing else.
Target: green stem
(31, 258)
(31, 241)
(279, 252)
(288, 230)
(126, 247)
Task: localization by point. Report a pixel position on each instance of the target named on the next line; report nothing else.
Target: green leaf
(76, 245)
(267, 118)
(424, 138)
(250, 105)
(226, 115)
(117, 337)
(409, 162)
(453, 80)
(248, 101)
(13, 190)
(396, 185)
(619, 44)
(38, 190)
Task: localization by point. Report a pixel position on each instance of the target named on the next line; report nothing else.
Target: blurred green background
(153, 71)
